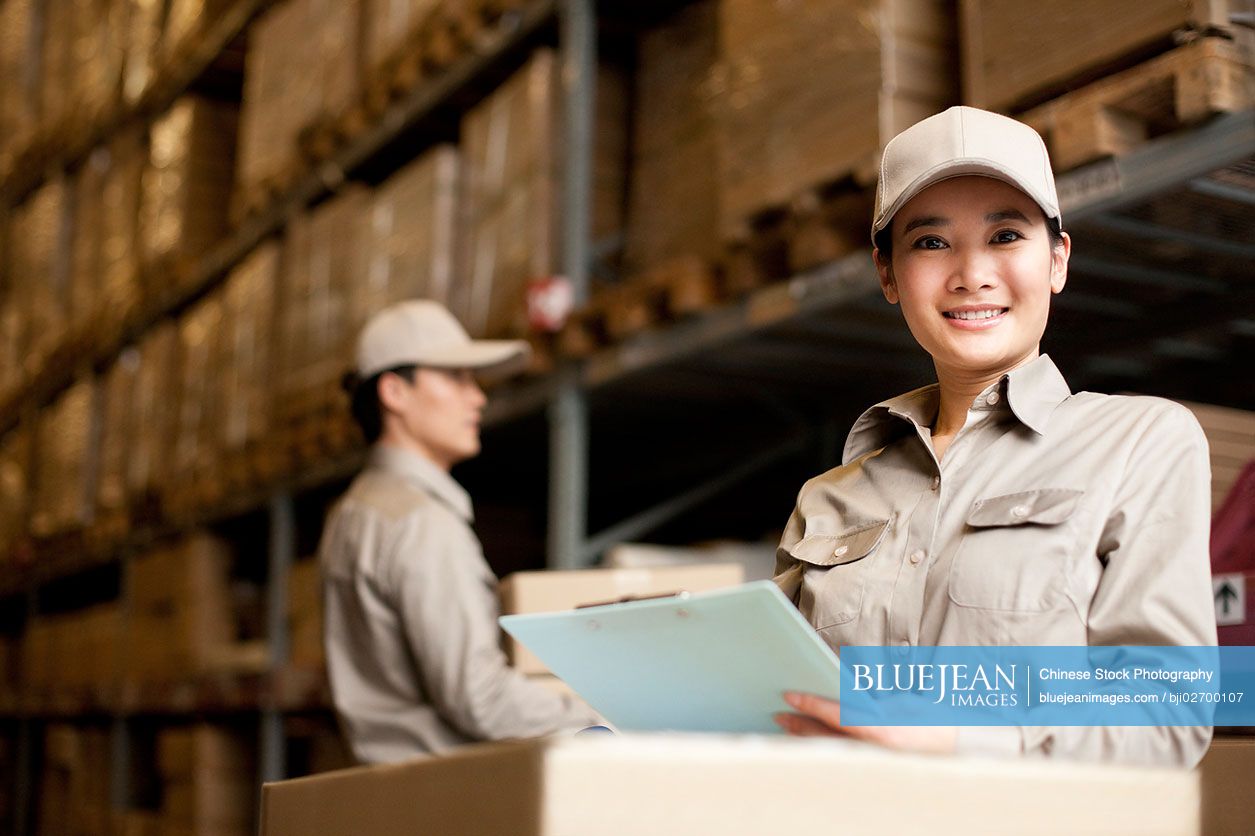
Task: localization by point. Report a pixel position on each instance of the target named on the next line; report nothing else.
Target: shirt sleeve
(1155, 587)
(446, 596)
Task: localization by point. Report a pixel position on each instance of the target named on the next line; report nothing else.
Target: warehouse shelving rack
(783, 320)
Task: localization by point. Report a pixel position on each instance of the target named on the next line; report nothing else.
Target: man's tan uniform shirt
(1053, 519)
(411, 632)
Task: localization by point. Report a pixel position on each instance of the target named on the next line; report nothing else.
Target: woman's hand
(820, 717)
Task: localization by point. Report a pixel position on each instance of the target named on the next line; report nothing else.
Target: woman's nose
(973, 270)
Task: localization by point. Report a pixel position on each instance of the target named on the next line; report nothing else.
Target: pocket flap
(835, 549)
(1047, 506)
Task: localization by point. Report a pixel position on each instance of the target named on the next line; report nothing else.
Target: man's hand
(820, 717)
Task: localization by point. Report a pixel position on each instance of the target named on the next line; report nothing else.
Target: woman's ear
(1059, 256)
(884, 269)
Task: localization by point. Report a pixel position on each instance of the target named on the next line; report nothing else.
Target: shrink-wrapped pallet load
(303, 64)
(38, 269)
(272, 90)
(143, 31)
(19, 95)
(86, 229)
(119, 288)
(154, 408)
(98, 47)
(808, 92)
(321, 287)
(117, 432)
(1007, 67)
(187, 183)
(197, 429)
(54, 55)
(207, 780)
(509, 232)
(12, 346)
(246, 357)
(407, 244)
(388, 25)
(674, 201)
(185, 21)
(15, 470)
(334, 30)
(64, 465)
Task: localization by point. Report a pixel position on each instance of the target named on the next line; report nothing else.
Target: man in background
(412, 641)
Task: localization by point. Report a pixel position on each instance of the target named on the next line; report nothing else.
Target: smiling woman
(997, 507)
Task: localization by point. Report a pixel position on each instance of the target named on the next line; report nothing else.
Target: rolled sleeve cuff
(991, 741)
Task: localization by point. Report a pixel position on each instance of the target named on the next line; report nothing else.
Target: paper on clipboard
(715, 661)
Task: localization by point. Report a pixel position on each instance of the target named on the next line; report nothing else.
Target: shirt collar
(1032, 391)
(423, 474)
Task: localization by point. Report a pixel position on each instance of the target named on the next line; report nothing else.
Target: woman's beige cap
(962, 141)
(420, 332)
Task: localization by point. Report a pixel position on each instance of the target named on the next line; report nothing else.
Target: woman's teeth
(986, 314)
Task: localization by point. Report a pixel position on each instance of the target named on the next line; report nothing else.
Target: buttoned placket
(922, 521)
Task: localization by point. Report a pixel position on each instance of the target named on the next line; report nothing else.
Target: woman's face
(973, 267)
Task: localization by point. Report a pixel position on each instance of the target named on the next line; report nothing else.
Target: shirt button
(936, 482)
(1020, 511)
(917, 556)
(840, 550)
(992, 398)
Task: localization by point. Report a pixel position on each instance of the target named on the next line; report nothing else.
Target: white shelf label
(1229, 593)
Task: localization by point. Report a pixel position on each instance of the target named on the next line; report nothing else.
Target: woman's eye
(929, 242)
(1007, 236)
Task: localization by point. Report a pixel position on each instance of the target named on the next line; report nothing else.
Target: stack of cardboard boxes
(207, 781)
(75, 787)
(187, 185)
(182, 620)
(64, 459)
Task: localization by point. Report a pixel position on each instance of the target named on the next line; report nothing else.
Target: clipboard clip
(627, 599)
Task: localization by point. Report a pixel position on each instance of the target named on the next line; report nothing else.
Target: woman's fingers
(800, 725)
(825, 710)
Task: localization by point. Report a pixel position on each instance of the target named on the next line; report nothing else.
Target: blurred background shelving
(202, 200)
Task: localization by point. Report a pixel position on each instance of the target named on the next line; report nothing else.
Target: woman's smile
(976, 317)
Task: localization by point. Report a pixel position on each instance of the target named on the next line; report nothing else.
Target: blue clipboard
(710, 662)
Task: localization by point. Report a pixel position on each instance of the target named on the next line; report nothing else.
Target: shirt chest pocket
(1014, 552)
(833, 572)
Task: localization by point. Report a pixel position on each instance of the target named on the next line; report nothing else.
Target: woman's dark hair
(884, 238)
(364, 399)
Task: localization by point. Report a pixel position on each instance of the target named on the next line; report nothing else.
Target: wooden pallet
(316, 436)
(1171, 91)
(826, 224)
(256, 464)
(672, 290)
(252, 199)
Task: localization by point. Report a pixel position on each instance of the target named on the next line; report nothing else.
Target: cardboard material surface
(1228, 773)
(664, 785)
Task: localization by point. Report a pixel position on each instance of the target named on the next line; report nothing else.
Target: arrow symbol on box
(1227, 595)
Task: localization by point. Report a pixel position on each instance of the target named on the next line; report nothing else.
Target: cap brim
(498, 356)
(960, 168)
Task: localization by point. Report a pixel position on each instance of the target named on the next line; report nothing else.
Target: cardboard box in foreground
(671, 785)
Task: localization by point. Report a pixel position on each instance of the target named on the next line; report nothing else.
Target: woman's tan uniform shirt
(411, 632)
(1054, 519)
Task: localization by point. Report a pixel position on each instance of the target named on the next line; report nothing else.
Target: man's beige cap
(962, 141)
(420, 332)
